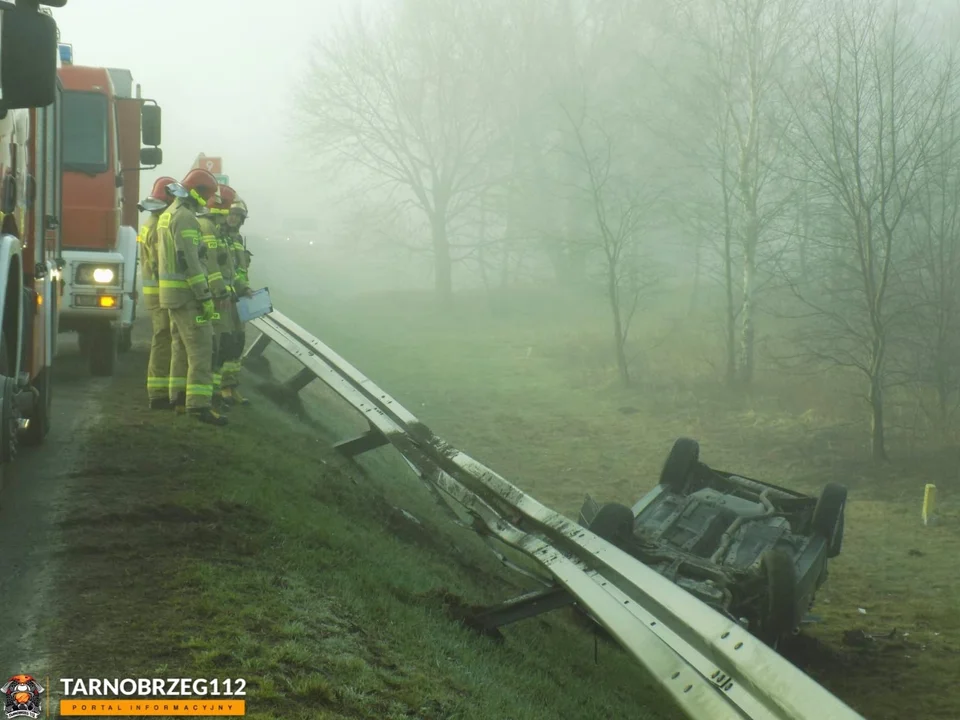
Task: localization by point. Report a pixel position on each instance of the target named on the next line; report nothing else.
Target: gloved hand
(209, 309)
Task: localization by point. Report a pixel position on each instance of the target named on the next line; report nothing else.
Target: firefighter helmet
(225, 198)
(239, 207)
(160, 196)
(237, 214)
(201, 185)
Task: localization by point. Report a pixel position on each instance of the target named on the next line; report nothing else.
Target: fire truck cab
(105, 122)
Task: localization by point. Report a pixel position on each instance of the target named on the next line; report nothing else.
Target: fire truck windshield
(85, 132)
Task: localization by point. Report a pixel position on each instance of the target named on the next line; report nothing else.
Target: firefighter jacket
(241, 262)
(149, 273)
(225, 257)
(208, 256)
(182, 277)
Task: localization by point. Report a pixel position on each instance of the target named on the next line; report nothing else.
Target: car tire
(683, 458)
(828, 517)
(614, 523)
(780, 609)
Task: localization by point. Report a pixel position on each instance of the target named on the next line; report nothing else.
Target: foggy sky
(222, 72)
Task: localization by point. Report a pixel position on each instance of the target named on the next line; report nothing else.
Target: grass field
(256, 552)
(527, 385)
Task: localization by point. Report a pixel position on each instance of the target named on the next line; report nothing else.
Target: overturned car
(753, 551)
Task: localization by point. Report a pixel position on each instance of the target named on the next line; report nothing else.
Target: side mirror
(28, 58)
(151, 156)
(150, 125)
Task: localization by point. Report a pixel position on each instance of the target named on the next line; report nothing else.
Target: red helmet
(224, 200)
(160, 196)
(201, 185)
(160, 190)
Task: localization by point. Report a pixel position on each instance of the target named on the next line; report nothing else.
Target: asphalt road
(35, 494)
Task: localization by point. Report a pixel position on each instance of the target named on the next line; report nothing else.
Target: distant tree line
(804, 153)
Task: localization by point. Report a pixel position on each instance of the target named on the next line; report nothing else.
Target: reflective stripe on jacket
(208, 256)
(181, 275)
(225, 257)
(241, 261)
(149, 274)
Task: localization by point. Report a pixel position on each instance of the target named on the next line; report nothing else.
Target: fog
(224, 74)
(571, 230)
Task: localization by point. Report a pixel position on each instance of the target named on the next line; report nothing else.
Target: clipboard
(257, 305)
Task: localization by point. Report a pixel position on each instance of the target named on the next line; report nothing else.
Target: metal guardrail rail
(712, 667)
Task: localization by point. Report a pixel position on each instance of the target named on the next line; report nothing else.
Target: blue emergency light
(66, 53)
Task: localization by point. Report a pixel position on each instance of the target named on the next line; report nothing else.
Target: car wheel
(683, 458)
(828, 517)
(614, 523)
(780, 609)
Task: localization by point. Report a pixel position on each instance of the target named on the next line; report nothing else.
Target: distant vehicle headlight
(90, 274)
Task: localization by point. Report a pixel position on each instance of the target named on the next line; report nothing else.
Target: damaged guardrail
(709, 664)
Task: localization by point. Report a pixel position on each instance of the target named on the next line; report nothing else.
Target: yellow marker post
(929, 504)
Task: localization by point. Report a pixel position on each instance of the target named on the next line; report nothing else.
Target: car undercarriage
(753, 551)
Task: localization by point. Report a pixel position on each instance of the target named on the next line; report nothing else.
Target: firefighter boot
(233, 397)
(161, 404)
(180, 403)
(219, 404)
(208, 416)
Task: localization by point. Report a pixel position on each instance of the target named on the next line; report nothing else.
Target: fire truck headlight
(103, 275)
(90, 274)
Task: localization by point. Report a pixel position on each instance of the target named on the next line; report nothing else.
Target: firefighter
(241, 286)
(185, 293)
(208, 255)
(158, 367)
(229, 323)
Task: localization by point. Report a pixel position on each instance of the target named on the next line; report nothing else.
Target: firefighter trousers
(191, 371)
(233, 350)
(158, 367)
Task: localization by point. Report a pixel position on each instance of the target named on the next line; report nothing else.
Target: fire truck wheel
(40, 422)
(104, 345)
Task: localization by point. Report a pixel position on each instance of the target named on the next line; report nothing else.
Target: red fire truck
(29, 220)
(105, 122)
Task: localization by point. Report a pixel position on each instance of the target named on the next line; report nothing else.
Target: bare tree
(742, 66)
(396, 103)
(867, 130)
(622, 210)
(934, 275)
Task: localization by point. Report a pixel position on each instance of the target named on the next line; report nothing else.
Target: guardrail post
(299, 381)
(256, 350)
(370, 440)
(520, 608)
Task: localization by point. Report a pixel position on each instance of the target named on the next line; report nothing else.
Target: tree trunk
(695, 293)
(442, 261)
(731, 311)
(878, 443)
(731, 319)
(747, 329)
(613, 294)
